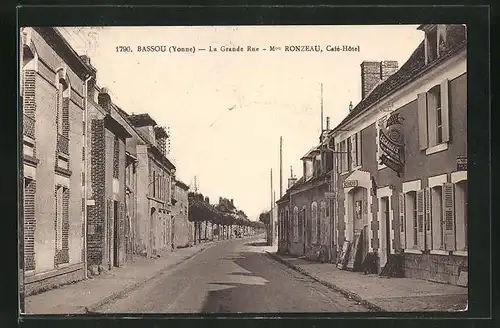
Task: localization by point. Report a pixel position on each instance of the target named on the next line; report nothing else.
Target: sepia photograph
(243, 169)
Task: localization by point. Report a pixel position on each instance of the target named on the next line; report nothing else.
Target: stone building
(304, 211)
(402, 175)
(52, 88)
(181, 226)
(155, 187)
(108, 180)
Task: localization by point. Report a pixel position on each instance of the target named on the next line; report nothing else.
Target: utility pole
(281, 166)
(270, 229)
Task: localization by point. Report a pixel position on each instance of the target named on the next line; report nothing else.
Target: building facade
(181, 227)
(52, 88)
(108, 180)
(402, 181)
(155, 187)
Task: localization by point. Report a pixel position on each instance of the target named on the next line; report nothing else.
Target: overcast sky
(273, 94)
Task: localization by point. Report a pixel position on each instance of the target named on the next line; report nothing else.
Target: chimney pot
(328, 123)
(350, 106)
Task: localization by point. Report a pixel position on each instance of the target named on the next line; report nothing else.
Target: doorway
(151, 231)
(386, 230)
(116, 227)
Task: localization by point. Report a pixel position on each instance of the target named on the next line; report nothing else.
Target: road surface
(229, 277)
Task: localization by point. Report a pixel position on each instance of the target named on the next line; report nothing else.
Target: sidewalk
(92, 293)
(382, 294)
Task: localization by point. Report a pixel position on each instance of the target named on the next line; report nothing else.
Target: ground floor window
(411, 219)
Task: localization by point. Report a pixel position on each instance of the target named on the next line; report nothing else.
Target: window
(296, 224)
(432, 45)
(344, 158)
(461, 199)
(154, 184)
(355, 150)
(322, 233)
(314, 223)
(116, 157)
(411, 219)
(437, 217)
(433, 117)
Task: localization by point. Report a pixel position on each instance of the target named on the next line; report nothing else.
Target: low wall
(40, 282)
(434, 267)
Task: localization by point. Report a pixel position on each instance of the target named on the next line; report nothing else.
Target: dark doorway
(116, 228)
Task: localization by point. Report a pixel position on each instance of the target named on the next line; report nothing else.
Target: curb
(93, 307)
(345, 292)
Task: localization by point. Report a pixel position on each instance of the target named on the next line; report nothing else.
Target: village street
(232, 276)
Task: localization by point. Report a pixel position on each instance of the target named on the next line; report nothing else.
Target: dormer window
(432, 49)
(437, 39)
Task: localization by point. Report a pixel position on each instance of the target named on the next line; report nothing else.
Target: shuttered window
(428, 218)
(433, 116)
(449, 216)
(314, 223)
(295, 224)
(420, 219)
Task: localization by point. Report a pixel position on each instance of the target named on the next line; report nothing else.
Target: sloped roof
(412, 68)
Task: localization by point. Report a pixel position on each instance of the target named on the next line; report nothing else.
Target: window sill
(436, 148)
(413, 251)
(439, 252)
(461, 253)
(28, 140)
(31, 160)
(62, 171)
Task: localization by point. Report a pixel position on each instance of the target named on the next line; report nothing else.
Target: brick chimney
(232, 201)
(104, 99)
(328, 123)
(220, 200)
(291, 181)
(370, 77)
(387, 68)
(373, 72)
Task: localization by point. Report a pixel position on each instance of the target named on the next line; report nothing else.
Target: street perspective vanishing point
(243, 169)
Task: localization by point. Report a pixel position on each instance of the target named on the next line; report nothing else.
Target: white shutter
(432, 118)
(428, 219)
(402, 230)
(445, 111)
(422, 120)
(358, 150)
(420, 220)
(449, 216)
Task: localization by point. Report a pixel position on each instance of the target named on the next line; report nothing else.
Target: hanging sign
(391, 142)
(461, 163)
(350, 183)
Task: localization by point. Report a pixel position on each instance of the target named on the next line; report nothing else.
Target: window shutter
(445, 111)
(349, 153)
(402, 239)
(449, 216)
(420, 219)
(432, 118)
(422, 120)
(358, 151)
(428, 219)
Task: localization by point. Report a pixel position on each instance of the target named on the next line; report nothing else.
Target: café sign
(350, 183)
(392, 144)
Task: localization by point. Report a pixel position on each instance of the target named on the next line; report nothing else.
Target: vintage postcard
(244, 169)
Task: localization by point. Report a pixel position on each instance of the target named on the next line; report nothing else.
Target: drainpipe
(85, 264)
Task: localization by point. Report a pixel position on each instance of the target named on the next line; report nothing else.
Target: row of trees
(223, 217)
